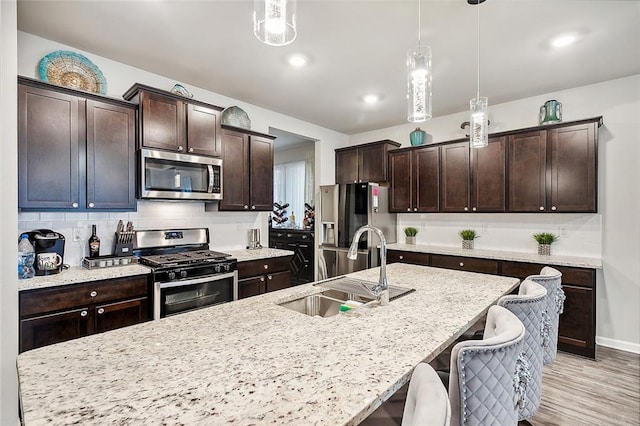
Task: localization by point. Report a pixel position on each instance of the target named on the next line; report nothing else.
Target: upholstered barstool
(529, 306)
(488, 376)
(427, 402)
(551, 279)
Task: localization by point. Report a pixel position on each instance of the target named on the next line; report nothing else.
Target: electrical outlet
(77, 234)
(483, 228)
(562, 231)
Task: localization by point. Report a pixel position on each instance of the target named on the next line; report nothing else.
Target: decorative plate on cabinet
(236, 117)
(73, 70)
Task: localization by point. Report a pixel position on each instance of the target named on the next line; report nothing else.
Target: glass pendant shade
(274, 21)
(419, 84)
(479, 123)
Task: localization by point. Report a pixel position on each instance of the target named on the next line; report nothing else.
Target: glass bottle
(94, 243)
(26, 258)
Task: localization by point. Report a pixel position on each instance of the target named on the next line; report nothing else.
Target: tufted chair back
(427, 402)
(485, 373)
(528, 305)
(551, 279)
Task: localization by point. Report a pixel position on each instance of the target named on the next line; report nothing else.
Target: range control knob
(183, 274)
(172, 275)
(217, 268)
(227, 267)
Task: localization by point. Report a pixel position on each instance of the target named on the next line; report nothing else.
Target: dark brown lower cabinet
(577, 331)
(411, 257)
(57, 314)
(300, 242)
(262, 276)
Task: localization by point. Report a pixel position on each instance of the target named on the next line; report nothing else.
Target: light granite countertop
(252, 362)
(263, 253)
(575, 261)
(78, 274)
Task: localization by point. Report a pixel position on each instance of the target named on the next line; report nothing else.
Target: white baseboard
(618, 344)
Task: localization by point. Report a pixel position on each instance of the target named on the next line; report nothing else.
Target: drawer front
(408, 257)
(575, 276)
(278, 281)
(263, 266)
(252, 287)
(68, 297)
(469, 264)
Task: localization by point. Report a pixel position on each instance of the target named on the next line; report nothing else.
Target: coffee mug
(49, 261)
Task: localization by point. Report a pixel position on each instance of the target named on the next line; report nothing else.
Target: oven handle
(208, 278)
(210, 168)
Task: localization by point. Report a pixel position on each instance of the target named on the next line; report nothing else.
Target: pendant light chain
(478, 40)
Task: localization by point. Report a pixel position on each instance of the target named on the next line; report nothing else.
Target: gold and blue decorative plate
(73, 70)
(236, 117)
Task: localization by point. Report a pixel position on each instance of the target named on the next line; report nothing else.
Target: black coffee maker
(46, 241)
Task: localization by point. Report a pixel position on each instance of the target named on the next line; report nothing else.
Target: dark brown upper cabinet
(554, 170)
(364, 163)
(174, 123)
(414, 179)
(76, 150)
(455, 183)
(247, 172)
(488, 176)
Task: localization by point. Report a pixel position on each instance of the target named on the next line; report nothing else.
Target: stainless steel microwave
(173, 176)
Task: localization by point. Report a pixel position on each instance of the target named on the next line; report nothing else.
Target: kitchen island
(255, 362)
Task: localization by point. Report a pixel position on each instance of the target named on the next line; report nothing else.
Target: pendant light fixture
(479, 122)
(419, 81)
(274, 21)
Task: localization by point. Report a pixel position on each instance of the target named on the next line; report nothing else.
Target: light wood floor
(576, 391)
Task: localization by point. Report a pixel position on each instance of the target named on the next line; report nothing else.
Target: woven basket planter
(467, 244)
(544, 249)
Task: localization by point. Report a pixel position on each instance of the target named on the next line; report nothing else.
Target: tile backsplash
(227, 230)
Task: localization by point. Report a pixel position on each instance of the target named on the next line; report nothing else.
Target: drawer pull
(101, 311)
(266, 266)
(262, 279)
(93, 293)
(400, 257)
(83, 313)
(270, 277)
(461, 263)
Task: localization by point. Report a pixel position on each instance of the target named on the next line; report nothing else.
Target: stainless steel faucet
(381, 290)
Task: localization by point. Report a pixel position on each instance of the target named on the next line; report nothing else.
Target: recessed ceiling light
(298, 60)
(371, 98)
(564, 40)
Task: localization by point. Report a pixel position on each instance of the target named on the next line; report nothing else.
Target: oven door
(169, 175)
(176, 297)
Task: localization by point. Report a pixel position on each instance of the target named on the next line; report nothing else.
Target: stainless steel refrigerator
(343, 209)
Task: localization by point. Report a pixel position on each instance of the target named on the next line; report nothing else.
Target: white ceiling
(356, 47)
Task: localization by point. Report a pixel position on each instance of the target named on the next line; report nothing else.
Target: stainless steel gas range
(186, 274)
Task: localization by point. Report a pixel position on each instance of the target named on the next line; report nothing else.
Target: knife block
(123, 243)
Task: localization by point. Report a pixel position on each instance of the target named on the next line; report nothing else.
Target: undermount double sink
(342, 293)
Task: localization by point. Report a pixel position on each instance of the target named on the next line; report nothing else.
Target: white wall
(304, 151)
(613, 233)
(228, 230)
(8, 216)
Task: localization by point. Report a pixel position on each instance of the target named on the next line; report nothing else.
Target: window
(293, 184)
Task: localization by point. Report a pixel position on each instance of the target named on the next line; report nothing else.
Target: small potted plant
(544, 240)
(467, 235)
(410, 234)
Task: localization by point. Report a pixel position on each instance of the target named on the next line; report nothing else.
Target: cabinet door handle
(266, 266)
(74, 205)
(541, 208)
(91, 205)
(466, 209)
(246, 206)
(262, 279)
(474, 209)
(190, 149)
(461, 263)
(253, 207)
(180, 148)
(83, 313)
(408, 209)
(415, 209)
(355, 181)
(101, 311)
(400, 257)
(93, 293)
(270, 277)
(553, 208)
